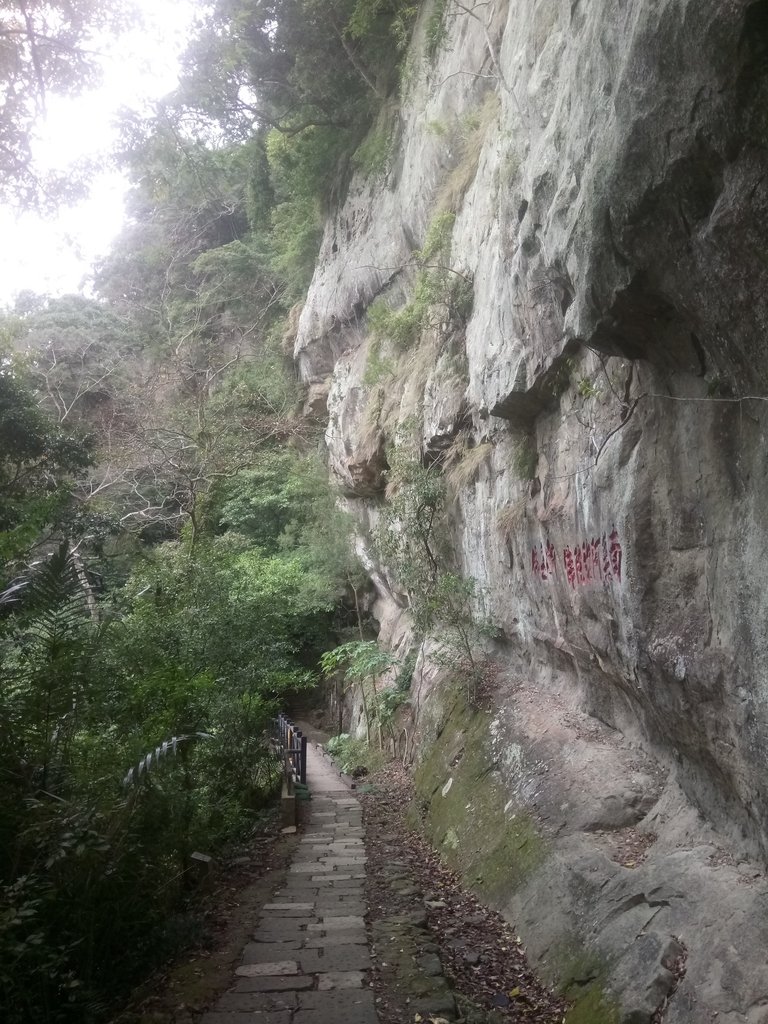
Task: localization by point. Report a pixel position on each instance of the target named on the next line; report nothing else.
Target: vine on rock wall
(440, 294)
(409, 541)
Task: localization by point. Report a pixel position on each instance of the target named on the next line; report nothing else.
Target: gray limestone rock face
(605, 165)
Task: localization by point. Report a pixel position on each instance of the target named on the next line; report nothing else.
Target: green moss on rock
(580, 977)
(495, 849)
(593, 1007)
(495, 843)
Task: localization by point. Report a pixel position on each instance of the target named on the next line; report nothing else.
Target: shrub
(354, 756)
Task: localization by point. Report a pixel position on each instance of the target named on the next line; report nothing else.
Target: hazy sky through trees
(55, 254)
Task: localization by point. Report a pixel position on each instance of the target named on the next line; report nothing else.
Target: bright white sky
(56, 256)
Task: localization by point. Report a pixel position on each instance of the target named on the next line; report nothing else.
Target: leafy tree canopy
(291, 63)
(46, 47)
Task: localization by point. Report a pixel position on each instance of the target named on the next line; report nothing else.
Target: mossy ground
(593, 1007)
(426, 924)
(495, 849)
(580, 978)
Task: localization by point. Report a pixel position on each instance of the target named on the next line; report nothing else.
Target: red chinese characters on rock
(596, 560)
(615, 553)
(570, 566)
(544, 561)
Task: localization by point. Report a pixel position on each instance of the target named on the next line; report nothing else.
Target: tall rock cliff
(587, 340)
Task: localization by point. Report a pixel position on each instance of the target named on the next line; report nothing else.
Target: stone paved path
(308, 962)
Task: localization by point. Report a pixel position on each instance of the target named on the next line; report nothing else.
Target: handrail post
(303, 761)
(297, 749)
(290, 745)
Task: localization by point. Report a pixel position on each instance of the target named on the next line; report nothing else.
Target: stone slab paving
(309, 960)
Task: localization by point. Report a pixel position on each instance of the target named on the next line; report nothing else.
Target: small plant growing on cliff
(437, 244)
(463, 461)
(377, 367)
(409, 540)
(403, 326)
(717, 387)
(510, 517)
(526, 459)
(588, 388)
(437, 28)
(460, 299)
(405, 536)
(468, 138)
(440, 293)
(560, 377)
(372, 155)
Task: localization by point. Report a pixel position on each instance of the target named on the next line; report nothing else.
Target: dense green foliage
(362, 662)
(171, 558)
(296, 83)
(33, 452)
(290, 64)
(198, 642)
(354, 756)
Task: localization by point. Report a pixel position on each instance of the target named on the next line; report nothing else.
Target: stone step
(309, 961)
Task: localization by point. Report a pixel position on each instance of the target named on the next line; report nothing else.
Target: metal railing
(290, 745)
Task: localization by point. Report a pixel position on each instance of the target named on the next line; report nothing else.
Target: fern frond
(54, 582)
(163, 750)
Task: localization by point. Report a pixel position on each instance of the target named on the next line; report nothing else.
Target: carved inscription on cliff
(597, 560)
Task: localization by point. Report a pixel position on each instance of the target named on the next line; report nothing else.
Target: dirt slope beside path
(438, 953)
(182, 991)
